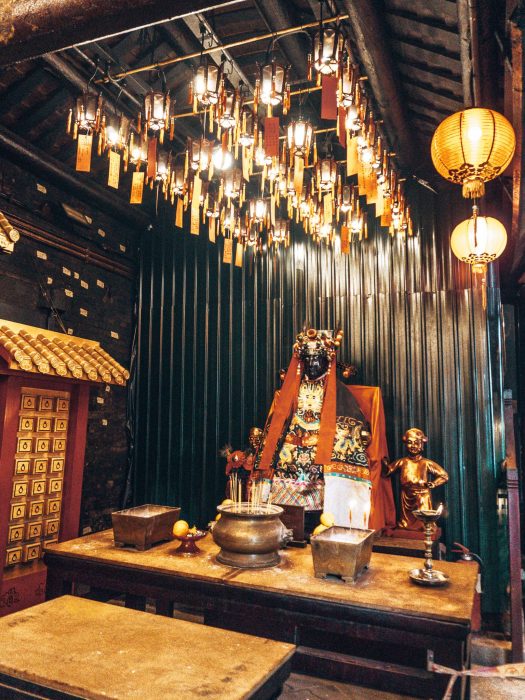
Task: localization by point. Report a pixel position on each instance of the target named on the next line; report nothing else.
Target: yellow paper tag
(380, 201)
(228, 250)
(272, 209)
(195, 206)
(137, 187)
(114, 169)
(179, 211)
(352, 161)
(246, 152)
(345, 240)
(361, 179)
(239, 251)
(212, 227)
(298, 175)
(327, 208)
(84, 144)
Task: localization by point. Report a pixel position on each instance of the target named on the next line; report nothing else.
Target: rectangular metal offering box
(144, 526)
(342, 551)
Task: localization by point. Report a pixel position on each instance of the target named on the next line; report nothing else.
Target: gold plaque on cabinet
(52, 526)
(24, 445)
(18, 510)
(62, 404)
(16, 533)
(38, 487)
(19, 489)
(13, 556)
(31, 551)
(60, 425)
(59, 444)
(57, 464)
(21, 466)
(44, 425)
(53, 506)
(39, 466)
(33, 530)
(55, 486)
(42, 445)
(28, 402)
(25, 423)
(36, 508)
(45, 403)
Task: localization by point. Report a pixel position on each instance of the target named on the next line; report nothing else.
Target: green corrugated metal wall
(212, 338)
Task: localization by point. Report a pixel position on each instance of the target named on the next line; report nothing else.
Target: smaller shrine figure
(415, 477)
(240, 462)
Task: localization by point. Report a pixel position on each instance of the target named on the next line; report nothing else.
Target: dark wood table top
(384, 586)
(93, 650)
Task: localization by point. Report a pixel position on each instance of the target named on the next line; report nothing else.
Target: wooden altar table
(76, 648)
(379, 632)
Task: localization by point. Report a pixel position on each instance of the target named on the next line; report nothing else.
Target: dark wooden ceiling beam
(30, 29)
(433, 22)
(425, 46)
(376, 60)
(430, 68)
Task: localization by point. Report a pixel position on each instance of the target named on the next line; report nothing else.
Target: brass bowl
(250, 537)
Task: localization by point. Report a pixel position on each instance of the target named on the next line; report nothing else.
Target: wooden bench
(71, 647)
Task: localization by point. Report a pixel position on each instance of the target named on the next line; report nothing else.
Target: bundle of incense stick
(256, 497)
(236, 490)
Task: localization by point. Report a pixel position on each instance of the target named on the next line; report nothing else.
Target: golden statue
(415, 480)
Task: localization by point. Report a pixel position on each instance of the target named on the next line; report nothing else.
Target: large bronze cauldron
(250, 537)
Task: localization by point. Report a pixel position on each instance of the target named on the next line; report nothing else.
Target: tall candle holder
(428, 576)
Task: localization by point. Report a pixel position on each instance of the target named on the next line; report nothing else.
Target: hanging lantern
(222, 158)
(117, 132)
(229, 110)
(89, 112)
(233, 183)
(207, 83)
(326, 51)
(472, 147)
(273, 86)
(138, 153)
(352, 121)
(346, 199)
(345, 95)
(247, 135)
(258, 210)
(157, 110)
(199, 154)
(162, 172)
(213, 208)
(326, 173)
(280, 232)
(478, 240)
(178, 182)
(300, 134)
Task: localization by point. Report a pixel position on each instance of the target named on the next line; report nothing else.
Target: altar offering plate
(342, 551)
(188, 545)
(144, 526)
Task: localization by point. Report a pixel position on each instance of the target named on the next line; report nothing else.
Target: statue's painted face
(414, 444)
(315, 359)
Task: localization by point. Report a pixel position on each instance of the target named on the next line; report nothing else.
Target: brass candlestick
(428, 576)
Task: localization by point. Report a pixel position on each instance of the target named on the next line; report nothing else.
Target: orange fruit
(181, 528)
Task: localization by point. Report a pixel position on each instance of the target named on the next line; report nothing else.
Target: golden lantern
(222, 159)
(178, 182)
(207, 83)
(88, 112)
(300, 133)
(346, 199)
(157, 110)
(326, 171)
(280, 233)
(247, 135)
(117, 132)
(138, 152)
(472, 147)
(326, 51)
(478, 240)
(257, 210)
(272, 83)
(199, 151)
(229, 109)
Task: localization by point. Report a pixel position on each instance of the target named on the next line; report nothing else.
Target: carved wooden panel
(38, 470)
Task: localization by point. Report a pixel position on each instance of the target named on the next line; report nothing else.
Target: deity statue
(416, 484)
(241, 462)
(314, 446)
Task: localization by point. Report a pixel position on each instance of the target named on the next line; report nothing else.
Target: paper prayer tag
(114, 169)
(239, 252)
(179, 213)
(85, 141)
(345, 240)
(228, 250)
(212, 227)
(137, 187)
(195, 206)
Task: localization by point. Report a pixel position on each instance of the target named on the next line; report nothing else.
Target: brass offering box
(342, 551)
(144, 526)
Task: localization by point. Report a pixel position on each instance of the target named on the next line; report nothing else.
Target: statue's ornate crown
(326, 341)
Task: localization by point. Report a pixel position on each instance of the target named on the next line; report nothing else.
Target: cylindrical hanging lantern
(222, 159)
(300, 136)
(273, 83)
(326, 173)
(472, 147)
(199, 154)
(163, 166)
(345, 96)
(89, 111)
(247, 135)
(117, 131)
(326, 51)
(139, 151)
(157, 110)
(178, 182)
(280, 232)
(346, 198)
(478, 240)
(257, 209)
(229, 109)
(206, 83)
(233, 183)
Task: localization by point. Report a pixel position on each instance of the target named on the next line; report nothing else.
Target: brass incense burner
(342, 551)
(249, 535)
